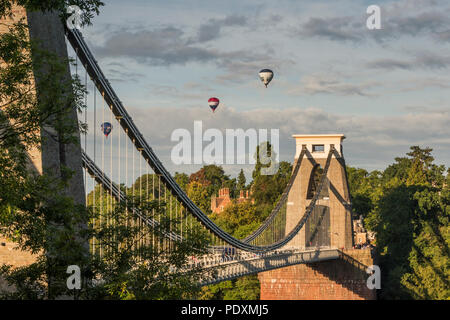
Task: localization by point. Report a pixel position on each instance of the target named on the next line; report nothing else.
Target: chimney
(241, 195)
(213, 204)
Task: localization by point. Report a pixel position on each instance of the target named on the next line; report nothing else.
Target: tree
(410, 219)
(429, 265)
(244, 288)
(199, 195)
(265, 148)
(137, 261)
(182, 179)
(238, 219)
(89, 7)
(241, 182)
(266, 189)
(423, 171)
(363, 186)
(213, 178)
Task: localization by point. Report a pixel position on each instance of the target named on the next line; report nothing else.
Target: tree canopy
(407, 206)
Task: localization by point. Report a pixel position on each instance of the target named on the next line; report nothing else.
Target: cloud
(212, 29)
(420, 84)
(400, 19)
(372, 141)
(389, 64)
(163, 46)
(336, 29)
(444, 35)
(421, 108)
(432, 61)
(170, 46)
(327, 84)
(117, 75)
(430, 22)
(190, 91)
(232, 49)
(422, 60)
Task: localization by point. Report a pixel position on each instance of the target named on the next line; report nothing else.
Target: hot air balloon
(213, 103)
(106, 128)
(266, 75)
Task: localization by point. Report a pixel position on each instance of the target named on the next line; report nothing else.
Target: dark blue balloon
(106, 128)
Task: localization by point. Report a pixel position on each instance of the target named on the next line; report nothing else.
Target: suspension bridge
(310, 224)
(269, 247)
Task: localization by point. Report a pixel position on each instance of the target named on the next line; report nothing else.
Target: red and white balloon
(213, 103)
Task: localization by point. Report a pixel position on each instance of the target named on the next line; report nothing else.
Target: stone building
(223, 200)
(361, 235)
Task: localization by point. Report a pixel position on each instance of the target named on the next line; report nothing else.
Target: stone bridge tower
(332, 218)
(46, 29)
(330, 224)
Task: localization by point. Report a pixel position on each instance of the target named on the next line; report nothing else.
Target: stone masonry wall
(328, 280)
(15, 258)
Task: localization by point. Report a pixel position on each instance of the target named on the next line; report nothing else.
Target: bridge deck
(228, 270)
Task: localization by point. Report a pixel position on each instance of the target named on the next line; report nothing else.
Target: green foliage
(267, 189)
(132, 266)
(239, 219)
(117, 267)
(216, 291)
(408, 208)
(429, 263)
(213, 178)
(21, 115)
(364, 188)
(245, 288)
(199, 195)
(182, 180)
(90, 8)
(241, 182)
(47, 224)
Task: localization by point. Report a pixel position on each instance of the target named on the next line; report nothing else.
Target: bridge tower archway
(330, 223)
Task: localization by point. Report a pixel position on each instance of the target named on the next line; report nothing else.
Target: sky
(386, 90)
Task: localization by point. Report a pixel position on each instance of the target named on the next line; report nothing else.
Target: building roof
(315, 136)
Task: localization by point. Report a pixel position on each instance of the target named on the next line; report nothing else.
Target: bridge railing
(260, 263)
